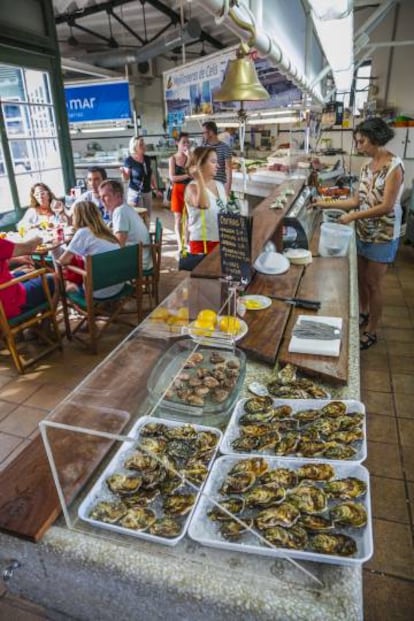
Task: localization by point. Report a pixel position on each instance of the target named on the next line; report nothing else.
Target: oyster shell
(156, 445)
(220, 394)
(171, 485)
(282, 411)
(181, 449)
(138, 518)
(285, 515)
(346, 489)
(311, 448)
(268, 441)
(124, 484)
(333, 543)
(196, 473)
(184, 432)
(350, 421)
(141, 461)
(216, 358)
(256, 418)
(349, 514)
(257, 465)
(153, 429)
(238, 482)
(109, 512)
(205, 442)
(325, 426)
(263, 496)
(153, 478)
(233, 363)
(245, 443)
(307, 416)
(194, 359)
(280, 476)
(315, 522)
(165, 527)
(308, 498)
(287, 375)
(288, 444)
(255, 430)
(211, 382)
(178, 504)
(334, 409)
(333, 450)
(316, 472)
(347, 437)
(230, 529)
(258, 404)
(142, 498)
(194, 399)
(233, 505)
(294, 538)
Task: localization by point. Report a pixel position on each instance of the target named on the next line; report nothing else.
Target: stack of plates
(298, 256)
(271, 263)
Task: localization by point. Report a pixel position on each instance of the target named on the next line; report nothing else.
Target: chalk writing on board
(234, 246)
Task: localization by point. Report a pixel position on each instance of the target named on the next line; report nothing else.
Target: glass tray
(172, 364)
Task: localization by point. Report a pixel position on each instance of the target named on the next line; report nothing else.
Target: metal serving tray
(101, 492)
(206, 531)
(233, 429)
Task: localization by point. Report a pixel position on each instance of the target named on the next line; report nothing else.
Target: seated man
(23, 296)
(127, 225)
(96, 174)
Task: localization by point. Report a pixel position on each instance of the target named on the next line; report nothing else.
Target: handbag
(188, 261)
(169, 192)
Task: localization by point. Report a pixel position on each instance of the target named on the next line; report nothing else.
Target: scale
(299, 222)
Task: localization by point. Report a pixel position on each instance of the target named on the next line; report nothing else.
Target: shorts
(177, 197)
(35, 295)
(383, 252)
(197, 247)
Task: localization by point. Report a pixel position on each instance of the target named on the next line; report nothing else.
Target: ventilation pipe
(262, 42)
(190, 32)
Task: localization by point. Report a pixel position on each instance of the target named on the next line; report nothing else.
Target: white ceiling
(141, 17)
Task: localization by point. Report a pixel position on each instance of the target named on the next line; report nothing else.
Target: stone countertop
(91, 574)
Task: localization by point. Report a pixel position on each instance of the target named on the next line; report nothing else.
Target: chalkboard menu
(235, 246)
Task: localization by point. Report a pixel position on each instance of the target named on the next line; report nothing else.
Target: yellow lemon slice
(182, 313)
(160, 313)
(202, 327)
(207, 315)
(229, 324)
(252, 304)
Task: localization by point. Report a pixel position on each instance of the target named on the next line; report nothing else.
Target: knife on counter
(298, 302)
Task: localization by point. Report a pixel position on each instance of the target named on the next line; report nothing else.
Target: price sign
(234, 246)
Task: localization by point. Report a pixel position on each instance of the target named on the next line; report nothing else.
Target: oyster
(347, 437)
(109, 512)
(232, 505)
(325, 426)
(165, 527)
(195, 382)
(334, 409)
(316, 472)
(153, 429)
(257, 465)
(211, 382)
(141, 461)
(233, 363)
(346, 489)
(285, 515)
(245, 443)
(333, 450)
(171, 485)
(183, 377)
(201, 391)
(306, 416)
(308, 498)
(194, 359)
(268, 441)
(220, 395)
(184, 432)
(203, 373)
(333, 543)
(264, 496)
(294, 538)
(288, 444)
(181, 449)
(206, 441)
(196, 473)
(350, 421)
(178, 504)
(124, 484)
(311, 448)
(280, 476)
(233, 530)
(258, 404)
(216, 358)
(153, 478)
(282, 411)
(142, 498)
(256, 418)
(156, 445)
(315, 522)
(287, 375)
(255, 430)
(238, 482)
(349, 514)
(196, 400)
(138, 518)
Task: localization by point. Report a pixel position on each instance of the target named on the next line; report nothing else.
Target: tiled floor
(387, 390)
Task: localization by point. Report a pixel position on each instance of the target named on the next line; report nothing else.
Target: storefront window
(31, 130)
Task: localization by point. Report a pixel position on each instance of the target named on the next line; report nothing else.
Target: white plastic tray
(101, 492)
(206, 532)
(233, 429)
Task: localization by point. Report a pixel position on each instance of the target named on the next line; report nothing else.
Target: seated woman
(204, 199)
(92, 236)
(23, 296)
(43, 205)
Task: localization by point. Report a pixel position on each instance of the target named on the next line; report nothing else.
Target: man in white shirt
(127, 225)
(96, 174)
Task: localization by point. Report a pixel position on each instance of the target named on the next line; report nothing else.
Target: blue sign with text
(107, 101)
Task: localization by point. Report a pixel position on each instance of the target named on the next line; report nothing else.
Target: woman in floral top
(376, 209)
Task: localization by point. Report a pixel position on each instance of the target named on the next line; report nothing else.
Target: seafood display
(269, 506)
(148, 489)
(195, 381)
(288, 385)
(310, 429)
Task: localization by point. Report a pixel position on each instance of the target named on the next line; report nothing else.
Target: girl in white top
(92, 237)
(205, 198)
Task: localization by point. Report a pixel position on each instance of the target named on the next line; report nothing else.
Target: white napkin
(315, 346)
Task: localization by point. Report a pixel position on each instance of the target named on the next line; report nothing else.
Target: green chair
(35, 319)
(149, 279)
(101, 270)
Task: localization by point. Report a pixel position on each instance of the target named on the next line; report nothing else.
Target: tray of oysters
(314, 511)
(303, 428)
(151, 486)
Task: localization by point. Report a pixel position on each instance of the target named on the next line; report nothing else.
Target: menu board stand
(234, 236)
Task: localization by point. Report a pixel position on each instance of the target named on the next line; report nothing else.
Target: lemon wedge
(229, 324)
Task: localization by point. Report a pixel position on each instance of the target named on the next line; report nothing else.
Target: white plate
(272, 263)
(218, 335)
(296, 253)
(263, 300)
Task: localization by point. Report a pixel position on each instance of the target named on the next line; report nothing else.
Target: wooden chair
(149, 279)
(101, 270)
(34, 319)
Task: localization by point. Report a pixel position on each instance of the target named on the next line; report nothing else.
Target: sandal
(369, 341)
(363, 319)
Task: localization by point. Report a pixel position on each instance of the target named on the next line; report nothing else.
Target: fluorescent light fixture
(94, 130)
(223, 125)
(273, 120)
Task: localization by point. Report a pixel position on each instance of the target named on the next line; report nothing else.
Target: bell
(241, 82)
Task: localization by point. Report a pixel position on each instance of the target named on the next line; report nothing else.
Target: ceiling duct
(111, 59)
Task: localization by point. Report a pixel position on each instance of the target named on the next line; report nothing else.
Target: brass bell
(240, 81)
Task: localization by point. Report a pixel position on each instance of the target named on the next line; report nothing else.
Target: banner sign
(103, 101)
(234, 246)
(189, 89)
